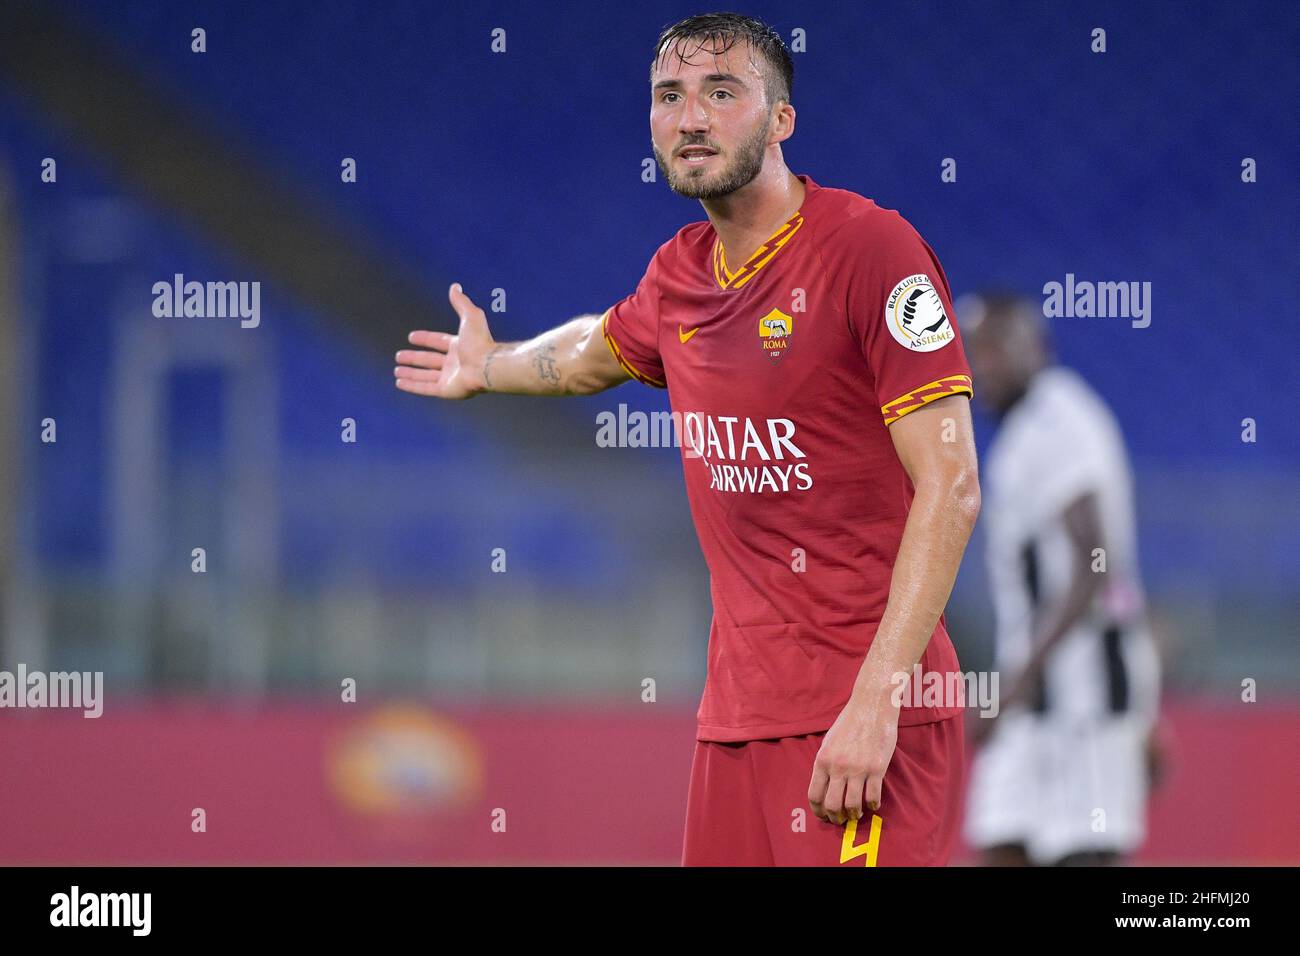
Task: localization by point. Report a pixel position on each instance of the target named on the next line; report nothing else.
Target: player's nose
(694, 116)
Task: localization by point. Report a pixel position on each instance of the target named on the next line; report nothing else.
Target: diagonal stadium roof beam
(161, 151)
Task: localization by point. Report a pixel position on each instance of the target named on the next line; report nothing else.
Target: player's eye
(723, 92)
(664, 98)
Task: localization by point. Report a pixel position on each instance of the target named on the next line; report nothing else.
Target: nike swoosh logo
(686, 336)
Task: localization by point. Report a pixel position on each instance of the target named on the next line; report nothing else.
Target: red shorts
(744, 801)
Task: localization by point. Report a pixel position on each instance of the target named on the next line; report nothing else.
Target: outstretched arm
(571, 359)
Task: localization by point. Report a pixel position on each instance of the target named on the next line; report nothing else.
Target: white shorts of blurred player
(1058, 785)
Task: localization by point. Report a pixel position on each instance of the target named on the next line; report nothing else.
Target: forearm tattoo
(544, 362)
(487, 366)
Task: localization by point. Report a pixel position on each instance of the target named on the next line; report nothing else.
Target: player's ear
(782, 121)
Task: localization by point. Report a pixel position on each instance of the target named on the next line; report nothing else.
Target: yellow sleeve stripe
(627, 366)
(952, 385)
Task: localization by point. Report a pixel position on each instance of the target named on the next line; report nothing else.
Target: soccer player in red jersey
(807, 341)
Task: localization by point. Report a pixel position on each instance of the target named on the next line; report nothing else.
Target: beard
(740, 171)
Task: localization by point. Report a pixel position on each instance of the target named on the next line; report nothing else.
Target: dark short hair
(1003, 301)
(722, 31)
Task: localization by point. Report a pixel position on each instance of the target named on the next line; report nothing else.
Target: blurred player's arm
(572, 359)
(936, 446)
(1082, 520)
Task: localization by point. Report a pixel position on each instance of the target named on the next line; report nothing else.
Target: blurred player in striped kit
(1063, 774)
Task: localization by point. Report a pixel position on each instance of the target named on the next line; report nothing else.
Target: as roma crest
(774, 331)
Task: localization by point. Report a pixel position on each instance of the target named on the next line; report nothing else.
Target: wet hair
(719, 32)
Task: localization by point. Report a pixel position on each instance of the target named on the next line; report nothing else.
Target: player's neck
(746, 218)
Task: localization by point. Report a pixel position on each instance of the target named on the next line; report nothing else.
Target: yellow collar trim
(727, 279)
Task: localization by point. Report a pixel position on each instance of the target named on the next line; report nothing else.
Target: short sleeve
(900, 309)
(631, 329)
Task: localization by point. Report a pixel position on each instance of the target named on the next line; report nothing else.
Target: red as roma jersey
(785, 373)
